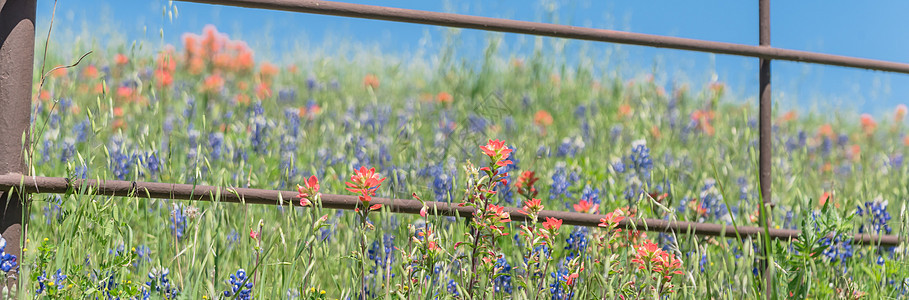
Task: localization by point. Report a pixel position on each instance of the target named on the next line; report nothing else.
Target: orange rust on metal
(33, 184)
(554, 30)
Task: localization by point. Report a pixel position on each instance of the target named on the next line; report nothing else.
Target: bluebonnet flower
(143, 253)
(239, 289)
(787, 220)
(711, 205)
(8, 262)
(543, 151)
(54, 121)
(826, 146)
(666, 240)
(577, 242)
(376, 118)
(121, 163)
(639, 159)
(291, 293)
(590, 194)
(570, 147)
(311, 83)
(177, 221)
(292, 119)
(216, 143)
(840, 248)
(556, 289)
(192, 151)
(55, 211)
(81, 130)
(152, 163)
(233, 239)
(190, 108)
(117, 251)
(258, 138)
(615, 132)
(382, 255)
(842, 140)
(618, 166)
(287, 95)
(68, 150)
(743, 188)
(160, 284)
(452, 287)
(442, 183)
(876, 217)
(509, 123)
(42, 285)
(580, 111)
(502, 280)
(562, 180)
(896, 161)
(477, 123)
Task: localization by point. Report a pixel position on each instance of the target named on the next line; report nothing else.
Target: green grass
(396, 128)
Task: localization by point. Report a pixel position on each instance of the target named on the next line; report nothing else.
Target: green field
(210, 112)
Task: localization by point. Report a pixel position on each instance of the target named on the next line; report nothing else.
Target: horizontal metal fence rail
(555, 30)
(59, 185)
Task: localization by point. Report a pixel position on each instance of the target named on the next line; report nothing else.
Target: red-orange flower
(552, 224)
(499, 212)
(900, 112)
(667, 265)
(497, 151)
(570, 279)
(267, 71)
(586, 207)
(371, 81)
(531, 206)
(612, 219)
(624, 110)
(868, 123)
(262, 90)
(827, 131)
(444, 97)
(788, 116)
(525, 184)
(121, 59)
(542, 118)
(645, 254)
(310, 192)
(125, 92)
(213, 83)
(365, 182)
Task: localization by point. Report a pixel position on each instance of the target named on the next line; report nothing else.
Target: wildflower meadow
(526, 132)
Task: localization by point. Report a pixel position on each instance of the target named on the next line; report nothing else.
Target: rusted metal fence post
(766, 142)
(17, 51)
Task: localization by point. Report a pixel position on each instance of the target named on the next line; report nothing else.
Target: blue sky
(848, 28)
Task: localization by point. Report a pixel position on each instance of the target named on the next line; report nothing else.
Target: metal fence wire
(17, 39)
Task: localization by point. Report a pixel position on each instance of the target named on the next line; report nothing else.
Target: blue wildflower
(876, 217)
(502, 281)
(177, 221)
(240, 286)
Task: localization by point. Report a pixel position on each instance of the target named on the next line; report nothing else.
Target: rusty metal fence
(17, 40)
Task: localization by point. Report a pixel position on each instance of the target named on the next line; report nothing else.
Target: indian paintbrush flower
(309, 193)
